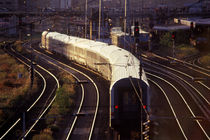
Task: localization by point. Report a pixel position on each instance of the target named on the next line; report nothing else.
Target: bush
(182, 37)
(54, 128)
(13, 90)
(18, 45)
(51, 115)
(62, 101)
(45, 135)
(3, 75)
(184, 50)
(205, 60)
(165, 40)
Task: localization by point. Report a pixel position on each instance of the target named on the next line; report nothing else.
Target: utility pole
(24, 126)
(86, 18)
(125, 16)
(173, 41)
(99, 21)
(91, 29)
(32, 67)
(20, 27)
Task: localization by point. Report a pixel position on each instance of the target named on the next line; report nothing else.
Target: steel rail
(172, 109)
(192, 113)
(182, 73)
(58, 86)
(18, 120)
(97, 104)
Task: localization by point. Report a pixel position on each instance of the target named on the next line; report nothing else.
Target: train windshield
(129, 101)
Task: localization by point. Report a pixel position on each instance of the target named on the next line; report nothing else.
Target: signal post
(173, 37)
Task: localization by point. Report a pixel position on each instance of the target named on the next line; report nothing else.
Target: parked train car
(116, 65)
(126, 41)
(118, 37)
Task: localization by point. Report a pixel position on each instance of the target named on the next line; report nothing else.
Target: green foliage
(51, 116)
(66, 78)
(185, 50)
(62, 101)
(54, 128)
(42, 137)
(12, 90)
(165, 40)
(46, 134)
(205, 60)
(18, 45)
(182, 37)
(2, 75)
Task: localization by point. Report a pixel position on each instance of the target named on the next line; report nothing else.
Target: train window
(129, 101)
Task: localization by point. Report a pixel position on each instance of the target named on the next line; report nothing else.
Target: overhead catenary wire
(140, 99)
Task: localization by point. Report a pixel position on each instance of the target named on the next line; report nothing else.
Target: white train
(116, 65)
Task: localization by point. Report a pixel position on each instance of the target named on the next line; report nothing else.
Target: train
(127, 41)
(116, 65)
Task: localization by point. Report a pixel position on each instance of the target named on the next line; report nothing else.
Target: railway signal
(136, 36)
(136, 30)
(173, 36)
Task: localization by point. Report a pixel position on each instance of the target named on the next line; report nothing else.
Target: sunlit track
(195, 68)
(36, 72)
(172, 109)
(197, 63)
(182, 73)
(41, 94)
(19, 119)
(78, 111)
(97, 103)
(43, 111)
(192, 66)
(182, 97)
(197, 100)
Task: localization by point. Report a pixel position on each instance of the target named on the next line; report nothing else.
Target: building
(9, 5)
(60, 4)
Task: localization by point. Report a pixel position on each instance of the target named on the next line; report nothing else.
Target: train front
(129, 94)
(128, 103)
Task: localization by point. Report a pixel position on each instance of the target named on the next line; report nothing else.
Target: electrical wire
(140, 99)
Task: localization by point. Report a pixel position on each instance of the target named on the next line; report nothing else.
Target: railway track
(38, 107)
(82, 123)
(184, 101)
(88, 107)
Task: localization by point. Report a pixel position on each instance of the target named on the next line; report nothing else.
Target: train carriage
(115, 64)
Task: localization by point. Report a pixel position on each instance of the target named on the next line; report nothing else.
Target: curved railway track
(83, 123)
(37, 108)
(188, 99)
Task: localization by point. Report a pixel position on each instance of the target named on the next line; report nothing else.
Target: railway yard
(69, 74)
(179, 96)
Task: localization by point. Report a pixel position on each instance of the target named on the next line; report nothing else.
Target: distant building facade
(9, 4)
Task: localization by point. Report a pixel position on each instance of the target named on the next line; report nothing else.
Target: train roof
(195, 21)
(123, 63)
(171, 27)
